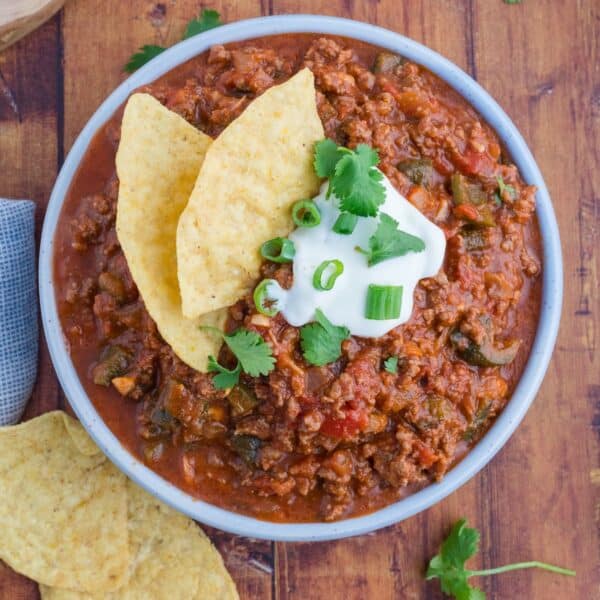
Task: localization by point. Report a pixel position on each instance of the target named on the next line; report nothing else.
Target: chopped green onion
(332, 275)
(383, 302)
(279, 250)
(345, 223)
(265, 305)
(306, 214)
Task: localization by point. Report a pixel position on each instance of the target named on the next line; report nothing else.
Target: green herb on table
(512, 1)
(142, 56)
(252, 352)
(208, 19)
(352, 175)
(389, 242)
(321, 341)
(449, 565)
(391, 365)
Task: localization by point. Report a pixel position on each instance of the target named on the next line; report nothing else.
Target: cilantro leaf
(512, 1)
(252, 352)
(326, 156)
(391, 364)
(321, 341)
(460, 545)
(389, 242)
(208, 19)
(142, 56)
(449, 565)
(226, 378)
(503, 187)
(357, 183)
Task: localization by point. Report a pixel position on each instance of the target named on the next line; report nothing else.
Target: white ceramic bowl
(526, 389)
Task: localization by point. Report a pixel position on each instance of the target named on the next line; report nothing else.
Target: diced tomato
(466, 211)
(355, 420)
(426, 456)
(476, 163)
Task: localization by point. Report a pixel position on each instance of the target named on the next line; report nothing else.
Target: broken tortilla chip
(85, 444)
(171, 558)
(251, 176)
(158, 160)
(63, 514)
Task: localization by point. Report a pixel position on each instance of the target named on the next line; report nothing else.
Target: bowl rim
(505, 424)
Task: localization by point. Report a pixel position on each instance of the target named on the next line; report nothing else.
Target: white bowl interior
(505, 424)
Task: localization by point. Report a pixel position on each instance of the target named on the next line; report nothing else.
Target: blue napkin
(18, 308)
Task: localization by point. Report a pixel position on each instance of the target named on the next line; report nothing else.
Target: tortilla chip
(85, 444)
(63, 514)
(252, 174)
(158, 160)
(171, 558)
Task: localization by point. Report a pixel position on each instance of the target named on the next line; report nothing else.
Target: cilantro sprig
(208, 19)
(142, 56)
(352, 175)
(253, 354)
(389, 242)
(504, 188)
(326, 157)
(225, 378)
(321, 341)
(449, 565)
(391, 364)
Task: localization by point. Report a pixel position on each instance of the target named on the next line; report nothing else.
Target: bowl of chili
(109, 432)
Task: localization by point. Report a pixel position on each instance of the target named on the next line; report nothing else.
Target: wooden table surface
(540, 497)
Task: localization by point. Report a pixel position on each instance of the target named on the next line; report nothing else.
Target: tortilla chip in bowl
(158, 160)
(243, 197)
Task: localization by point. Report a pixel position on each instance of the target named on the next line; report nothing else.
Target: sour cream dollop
(345, 304)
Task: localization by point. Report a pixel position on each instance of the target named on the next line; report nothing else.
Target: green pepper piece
(114, 361)
(465, 191)
(484, 354)
(246, 446)
(386, 62)
(475, 239)
(479, 420)
(419, 170)
(241, 400)
(486, 217)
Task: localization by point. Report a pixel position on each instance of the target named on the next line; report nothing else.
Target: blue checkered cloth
(18, 308)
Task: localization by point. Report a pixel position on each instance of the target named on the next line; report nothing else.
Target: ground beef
(306, 442)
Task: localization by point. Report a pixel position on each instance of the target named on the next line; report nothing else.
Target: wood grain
(540, 497)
